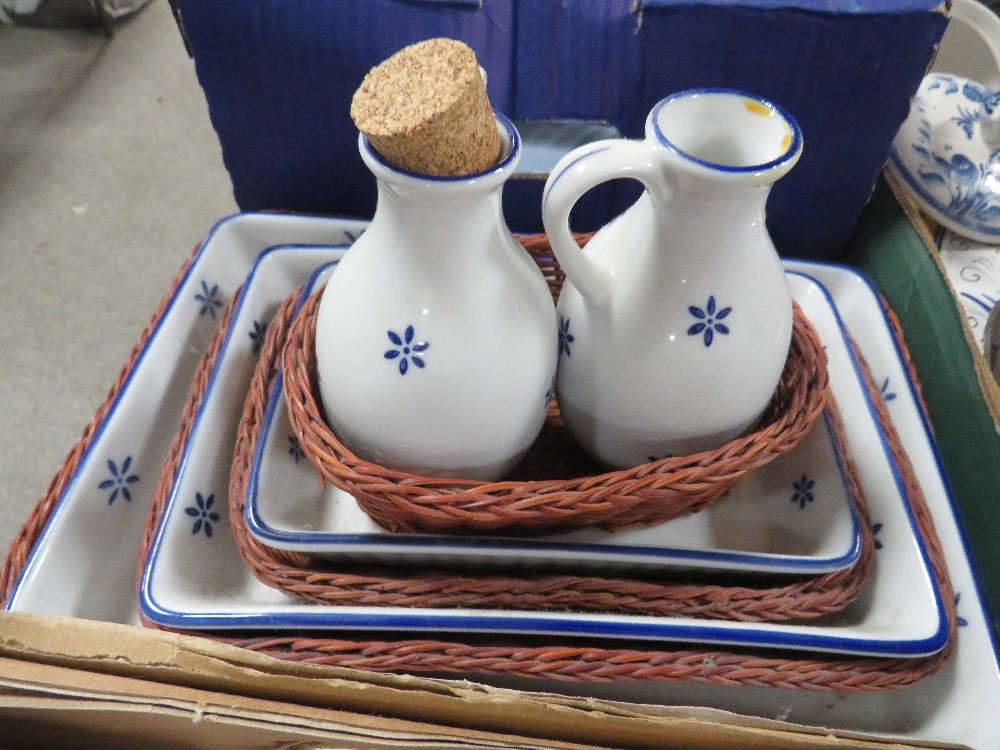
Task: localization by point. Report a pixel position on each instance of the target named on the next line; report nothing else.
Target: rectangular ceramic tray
(794, 515)
(130, 443)
(195, 578)
(92, 574)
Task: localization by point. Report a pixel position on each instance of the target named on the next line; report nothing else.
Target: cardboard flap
(168, 659)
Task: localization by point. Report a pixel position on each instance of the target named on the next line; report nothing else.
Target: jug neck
(728, 222)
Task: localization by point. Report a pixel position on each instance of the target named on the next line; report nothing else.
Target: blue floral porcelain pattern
(406, 350)
(565, 337)
(203, 514)
(209, 299)
(943, 154)
(295, 449)
(887, 394)
(959, 620)
(708, 324)
(802, 491)
(120, 481)
(257, 335)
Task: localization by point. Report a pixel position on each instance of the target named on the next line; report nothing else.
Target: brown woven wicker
(563, 659)
(598, 661)
(320, 582)
(557, 487)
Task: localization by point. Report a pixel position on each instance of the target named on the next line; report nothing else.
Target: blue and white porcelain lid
(948, 154)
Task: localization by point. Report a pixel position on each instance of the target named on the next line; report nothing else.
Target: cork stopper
(425, 110)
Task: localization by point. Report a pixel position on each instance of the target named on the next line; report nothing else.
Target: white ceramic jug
(436, 339)
(676, 319)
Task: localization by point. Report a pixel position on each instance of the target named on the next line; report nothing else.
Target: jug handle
(577, 172)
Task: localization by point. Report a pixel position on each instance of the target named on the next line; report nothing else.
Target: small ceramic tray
(194, 577)
(794, 515)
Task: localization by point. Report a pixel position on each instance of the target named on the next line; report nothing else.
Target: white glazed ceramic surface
(193, 580)
(103, 508)
(973, 268)
(436, 337)
(675, 321)
(948, 154)
(792, 516)
(956, 705)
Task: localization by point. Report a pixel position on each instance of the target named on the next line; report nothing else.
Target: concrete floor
(109, 173)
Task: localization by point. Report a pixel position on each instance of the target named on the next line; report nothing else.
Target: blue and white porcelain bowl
(948, 155)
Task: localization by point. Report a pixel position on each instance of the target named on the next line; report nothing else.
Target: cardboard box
(279, 77)
(70, 683)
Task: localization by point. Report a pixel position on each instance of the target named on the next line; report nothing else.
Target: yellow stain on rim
(757, 108)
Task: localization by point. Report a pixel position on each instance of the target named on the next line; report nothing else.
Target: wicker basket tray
(321, 582)
(578, 659)
(556, 487)
(563, 659)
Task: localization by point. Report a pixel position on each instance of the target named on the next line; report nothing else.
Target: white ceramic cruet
(675, 320)
(436, 340)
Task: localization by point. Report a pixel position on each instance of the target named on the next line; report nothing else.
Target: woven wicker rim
(649, 493)
(313, 580)
(595, 661)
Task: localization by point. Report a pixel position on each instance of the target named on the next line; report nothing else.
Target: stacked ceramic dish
(793, 541)
(257, 551)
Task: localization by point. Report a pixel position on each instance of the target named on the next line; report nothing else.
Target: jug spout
(724, 138)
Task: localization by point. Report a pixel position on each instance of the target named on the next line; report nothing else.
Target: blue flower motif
(802, 491)
(886, 393)
(959, 620)
(209, 299)
(405, 350)
(708, 321)
(295, 449)
(119, 481)
(257, 335)
(565, 337)
(203, 514)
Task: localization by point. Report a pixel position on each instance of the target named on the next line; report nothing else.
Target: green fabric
(888, 249)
